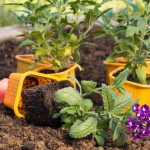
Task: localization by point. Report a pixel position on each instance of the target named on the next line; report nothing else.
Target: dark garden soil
(17, 134)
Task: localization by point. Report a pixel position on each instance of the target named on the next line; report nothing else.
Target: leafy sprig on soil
(82, 119)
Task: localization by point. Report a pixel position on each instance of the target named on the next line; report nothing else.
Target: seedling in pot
(81, 118)
(130, 32)
(54, 24)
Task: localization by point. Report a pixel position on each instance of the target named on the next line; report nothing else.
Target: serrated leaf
(121, 78)
(88, 86)
(131, 30)
(82, 129)
(141, 74)
(68, 95)
(108, 97)
(122, 103)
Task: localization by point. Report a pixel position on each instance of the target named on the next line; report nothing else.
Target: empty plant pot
(139, 91)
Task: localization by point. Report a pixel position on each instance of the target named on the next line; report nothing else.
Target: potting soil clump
(39, 103)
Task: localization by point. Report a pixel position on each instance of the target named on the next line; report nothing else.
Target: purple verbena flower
(131, 123)
(135, 107)
(140, 125)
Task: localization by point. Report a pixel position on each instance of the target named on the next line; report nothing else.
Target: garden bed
(16, 134)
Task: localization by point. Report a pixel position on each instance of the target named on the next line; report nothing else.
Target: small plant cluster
(130, 30)
(56, 28)
(139, 125)
(82, 119)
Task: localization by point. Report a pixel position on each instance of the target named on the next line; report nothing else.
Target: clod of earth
(39, 103)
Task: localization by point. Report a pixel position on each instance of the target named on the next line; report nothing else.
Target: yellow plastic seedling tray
(20, 81)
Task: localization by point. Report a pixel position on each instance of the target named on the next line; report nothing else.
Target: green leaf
(82, 129)
(99, 139)
(76, 81)
(48, 35)
(147, 43)
(33, 64)
(130, 3)
(112, 57)
(88, 86)
(68, 120)
(56, 115)
(121, 89)
(37, 36)
(88, 104)
(121, 78)
(119, 134)
(103, 124)
(108, 97)
(131, 30)
(121, 137)
(117, 131)
(41, 52)
(122, 104)
(68, 95)
(141, 74)
(26, 43)
(68, 110)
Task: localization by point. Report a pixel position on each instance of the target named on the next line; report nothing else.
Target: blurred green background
(6, 17)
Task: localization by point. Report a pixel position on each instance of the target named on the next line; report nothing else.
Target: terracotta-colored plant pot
(139, 91)
(120, 62)
(24, 62)
(19, 81)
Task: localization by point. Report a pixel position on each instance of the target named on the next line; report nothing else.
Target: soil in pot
(48, 71)
(39, 103)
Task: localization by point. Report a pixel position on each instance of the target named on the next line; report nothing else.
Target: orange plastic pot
(120, 62)
(19, 81)
(24, 62)
(139, 91)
